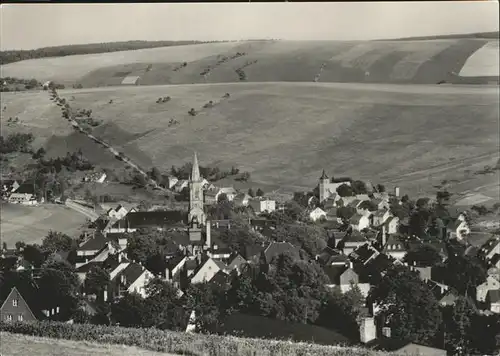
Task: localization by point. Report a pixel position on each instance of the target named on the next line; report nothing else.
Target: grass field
(31, 224)
(286, 133)
(415, 62)
(17, 345)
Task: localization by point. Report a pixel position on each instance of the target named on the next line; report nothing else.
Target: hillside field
(397, 62)
(32, 223)
(286, 133)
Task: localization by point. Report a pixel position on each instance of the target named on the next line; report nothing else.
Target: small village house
(207, 270)
(344, 278)
(171, 181)
(380, 217)
(213, 196)
(180, 185)
(489, 249)
(359, 222)
(458, 229)
(317, 214)
(261, 205)
(14, 307)
(133, 278)
(25, 194)
(117, 213)
(482, 290)
(493, 300)
(9, 186)
(95, 177)
(242, 199)
(351, 242)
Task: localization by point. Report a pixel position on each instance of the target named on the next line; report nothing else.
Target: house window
(9, 317)
(15, 302)
(20, 317)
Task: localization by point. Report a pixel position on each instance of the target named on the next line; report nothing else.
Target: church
(192, 227)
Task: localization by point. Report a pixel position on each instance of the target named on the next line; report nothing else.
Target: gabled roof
(131, 273)
(88, 266)
(97, 242)
(355, 219)
(236, 261)
(454, 224)
(277, 248)
(26, 288)
(144, 219)
(493, 296)
(489, 245)
(334, 272)
(221, 280)
(26, 188)
(354, 236)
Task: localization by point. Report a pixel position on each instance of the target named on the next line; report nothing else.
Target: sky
(28, 26)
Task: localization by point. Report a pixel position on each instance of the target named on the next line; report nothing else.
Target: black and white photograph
(250, 179)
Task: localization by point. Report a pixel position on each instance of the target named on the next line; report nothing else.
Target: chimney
(105, 294)
(384, 235)
(208, 237)
(386, 331)
(396, 191)
(119, 257)
(367, 330)
(350, 264)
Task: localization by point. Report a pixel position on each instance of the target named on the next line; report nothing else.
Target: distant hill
(394, 62)
(478, 35)
(11, 56)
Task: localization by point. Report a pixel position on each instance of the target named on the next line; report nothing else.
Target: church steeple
(323, 176)
(195, 173)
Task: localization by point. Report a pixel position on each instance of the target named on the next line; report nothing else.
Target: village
(353, 234)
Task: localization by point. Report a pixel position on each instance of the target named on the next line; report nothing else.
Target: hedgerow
(176, 342)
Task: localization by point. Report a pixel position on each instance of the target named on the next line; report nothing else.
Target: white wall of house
(363, 287)
(262, 205)
(317, 214)
(206, 272)
(398, 255)
(482, 289)
(118, 269)
(393, 226)
(140, 283)
(495, 307)
(363, 223)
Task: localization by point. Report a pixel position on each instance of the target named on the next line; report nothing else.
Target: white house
(97, 177)
(207, 271)
(458, 229)
(180, 185)
(344, 279)
(23, 198)
(493, 299)
(132, 279)
(359, 222)
(317, 214)
(395, 248)
(212, 195)
(490, 248)
(260, 205)
(171, 182)
(391, 225)
(242, 199)
(117, 213)
(380, 217)
(482, 290)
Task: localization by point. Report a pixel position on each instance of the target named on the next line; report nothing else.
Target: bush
(175, 342)
(192, 112)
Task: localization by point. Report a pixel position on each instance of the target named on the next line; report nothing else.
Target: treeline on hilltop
(69, 50)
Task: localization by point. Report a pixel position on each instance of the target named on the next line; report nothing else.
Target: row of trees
(16, 142)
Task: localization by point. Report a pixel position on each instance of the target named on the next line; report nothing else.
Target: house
(351, 242)
(343, 278)
(160, 220)
(317, 214)
(489, 249)
(96, 177)
(395, 248)
(262, 205)
(25, 194)
(482, 290)
(364, 254)
(88, 249)
(405, 348)
(493, 300)
(9, 186)
(117, 213)
(449, 298)
(131, 80)
(218, 250)
(212, 196)
(221, 224)
(458, 229)
(380, 217)
(131, 278)
(332, 215)
(380, 204)
(180, 185)
(331, 257)
(260, 224)
(14, 307)
(275, 249)
(221, 280)
(359, 222)
(207, 270)
(495, 261)
(170, 182)
(235, 263)
(242, 199)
